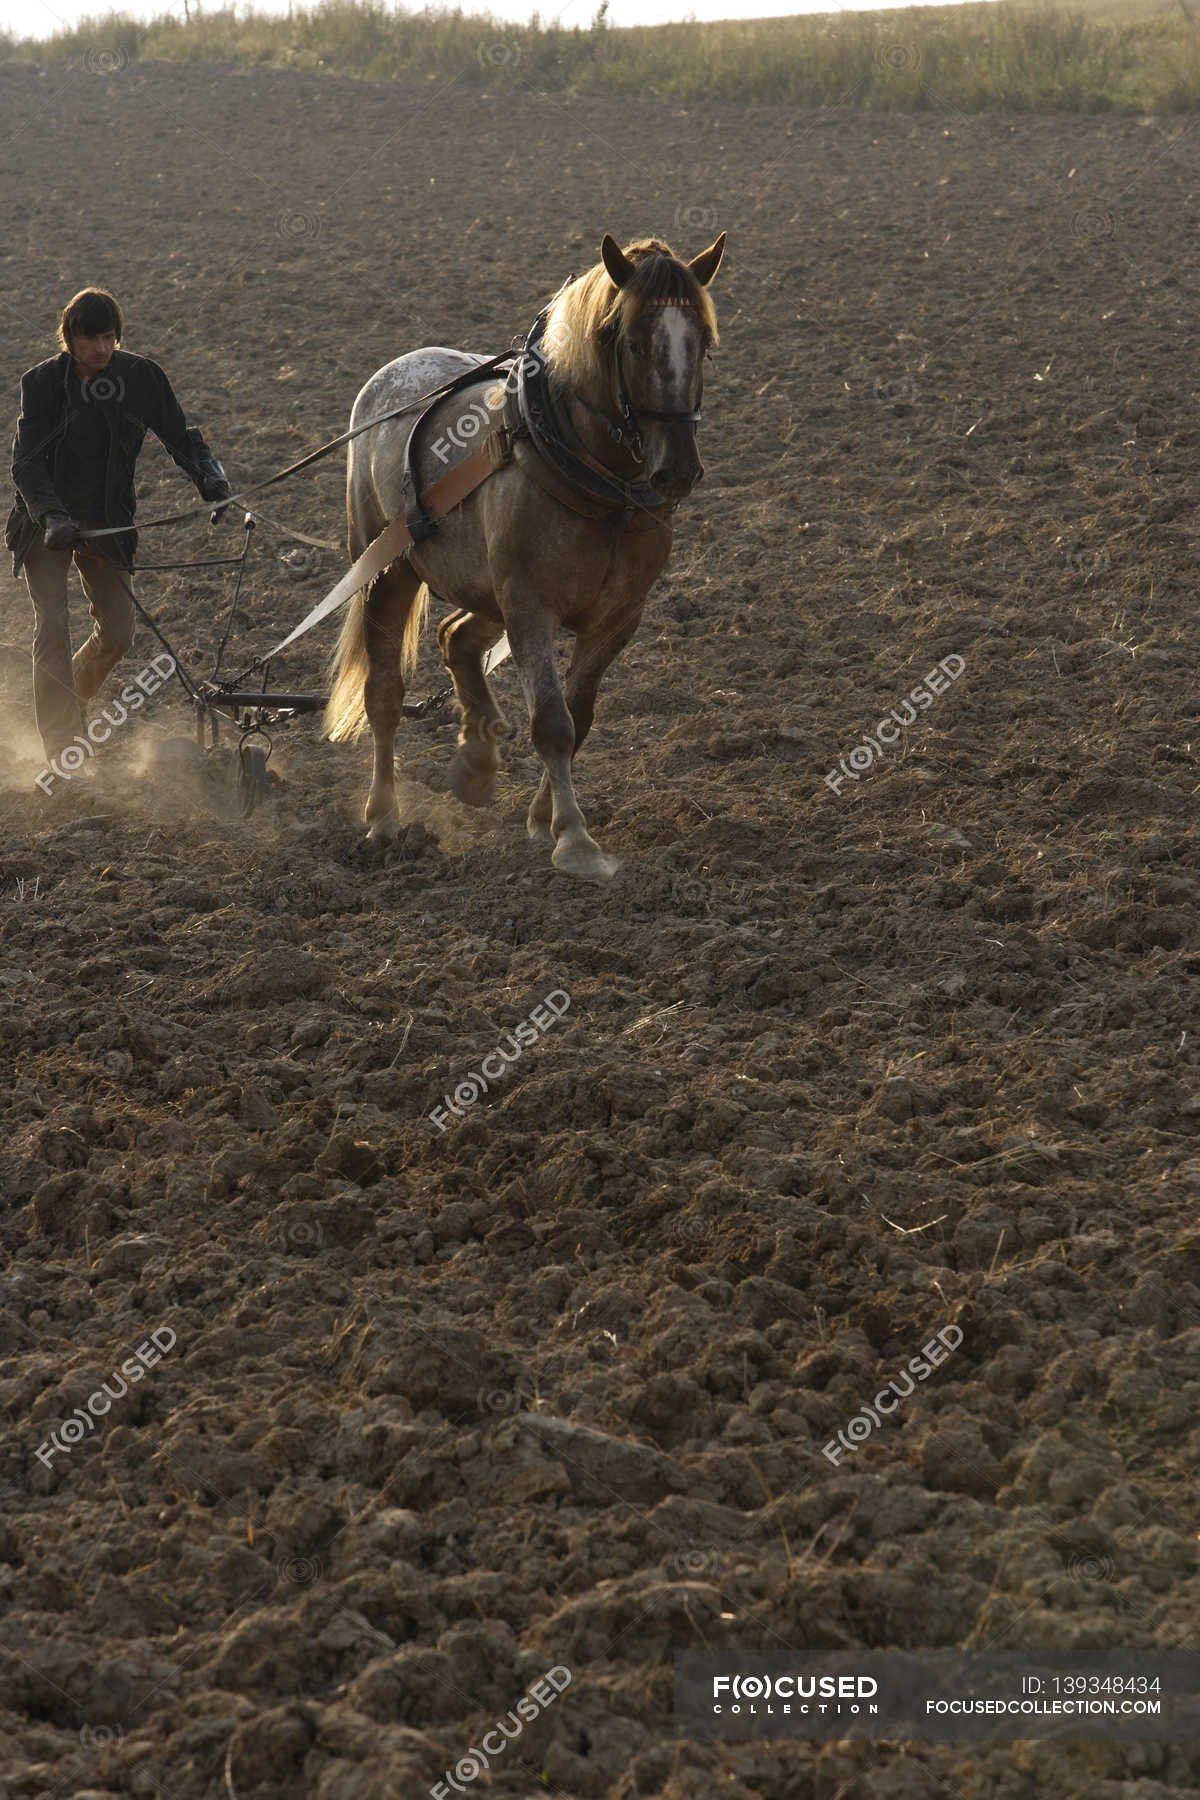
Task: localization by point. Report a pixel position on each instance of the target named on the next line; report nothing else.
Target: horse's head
(627, 340)
(660, 325)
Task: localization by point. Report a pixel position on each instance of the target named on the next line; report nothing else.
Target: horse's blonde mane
(593, 304)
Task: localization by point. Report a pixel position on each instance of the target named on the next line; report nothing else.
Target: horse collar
(551, 437)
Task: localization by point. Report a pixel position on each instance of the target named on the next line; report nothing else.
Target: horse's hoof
(383, 830)
(470, 786)
(538, 828)
(583, 858)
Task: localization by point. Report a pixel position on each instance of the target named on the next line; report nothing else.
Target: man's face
(93, 353)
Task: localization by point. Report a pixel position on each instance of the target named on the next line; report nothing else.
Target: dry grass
(1021, 55)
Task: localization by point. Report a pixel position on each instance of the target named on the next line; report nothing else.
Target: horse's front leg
(553, 730)
(594, 651)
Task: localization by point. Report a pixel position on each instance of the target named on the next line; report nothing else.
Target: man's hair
(89, 313)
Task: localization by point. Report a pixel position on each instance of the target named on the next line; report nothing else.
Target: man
(84, 414)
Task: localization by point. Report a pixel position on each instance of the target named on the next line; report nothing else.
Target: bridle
(628, 432)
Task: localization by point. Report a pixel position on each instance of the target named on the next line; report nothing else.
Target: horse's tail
(414, 625)
(346, 712)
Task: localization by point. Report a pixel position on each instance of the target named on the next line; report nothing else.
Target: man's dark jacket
(133, 395)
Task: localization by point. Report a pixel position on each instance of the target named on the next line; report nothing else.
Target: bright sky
(41, 18)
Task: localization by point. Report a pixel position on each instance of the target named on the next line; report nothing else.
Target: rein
(397, 412)
(571, 460)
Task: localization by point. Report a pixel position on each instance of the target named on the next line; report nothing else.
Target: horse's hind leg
(388, 611)
(464, 638)
(594, 651)
(553, 732)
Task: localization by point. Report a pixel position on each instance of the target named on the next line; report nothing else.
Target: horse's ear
(705, 266)
(615, 260)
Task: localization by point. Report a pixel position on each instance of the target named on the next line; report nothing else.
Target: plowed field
(843, 1063)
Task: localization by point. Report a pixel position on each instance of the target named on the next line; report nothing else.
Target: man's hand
(216, 488)
(61, 531)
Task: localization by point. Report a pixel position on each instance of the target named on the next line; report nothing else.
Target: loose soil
(550, 1387)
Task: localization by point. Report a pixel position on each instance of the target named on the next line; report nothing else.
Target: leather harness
(530, 432)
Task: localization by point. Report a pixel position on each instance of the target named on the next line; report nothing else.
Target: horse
(570, 528)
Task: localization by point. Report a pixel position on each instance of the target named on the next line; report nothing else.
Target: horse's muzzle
(675, 480)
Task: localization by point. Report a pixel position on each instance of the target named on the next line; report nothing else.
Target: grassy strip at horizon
(962, 59)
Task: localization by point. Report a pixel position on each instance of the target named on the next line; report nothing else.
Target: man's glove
(215, 487)
(217, 490)
(61, 531)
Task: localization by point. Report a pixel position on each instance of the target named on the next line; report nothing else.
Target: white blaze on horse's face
(674, 326)
(676, 354)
